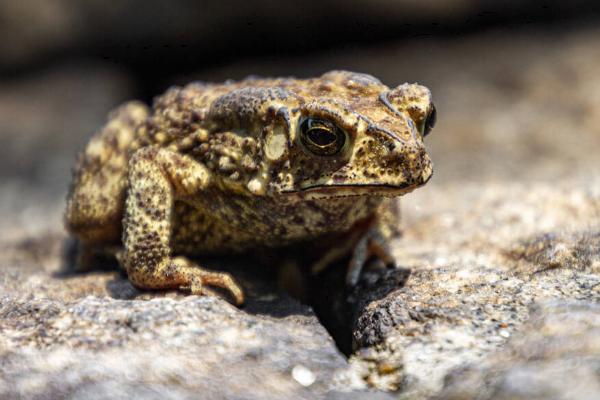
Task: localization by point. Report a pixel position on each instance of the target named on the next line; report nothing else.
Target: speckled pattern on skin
(261, 163)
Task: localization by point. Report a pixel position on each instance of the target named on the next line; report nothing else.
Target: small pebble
(303, 375)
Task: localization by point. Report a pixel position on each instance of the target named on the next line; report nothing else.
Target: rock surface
(93, 335)
(477, 270)
(161, 348)
(554, 356)
(498, 286)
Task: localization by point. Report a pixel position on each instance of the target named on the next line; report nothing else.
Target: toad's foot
(362, 247)
(183, 274)
(372, 244)
(197, 279)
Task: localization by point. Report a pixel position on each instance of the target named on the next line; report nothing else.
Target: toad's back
(97, 193)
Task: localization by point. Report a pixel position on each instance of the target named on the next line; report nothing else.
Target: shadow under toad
(259, 281)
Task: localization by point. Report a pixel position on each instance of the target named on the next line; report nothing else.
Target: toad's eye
(322, 137)
(429, 121)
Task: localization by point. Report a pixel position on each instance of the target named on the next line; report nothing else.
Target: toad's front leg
(157, 178)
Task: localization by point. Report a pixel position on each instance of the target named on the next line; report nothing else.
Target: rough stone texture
(555, 355)
(161, 348)
(475, 272)
(95, 336)
(497, 293)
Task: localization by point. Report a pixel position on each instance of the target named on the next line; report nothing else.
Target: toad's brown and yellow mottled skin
(215, 168)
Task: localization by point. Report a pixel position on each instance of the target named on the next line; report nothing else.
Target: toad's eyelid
(336, 116)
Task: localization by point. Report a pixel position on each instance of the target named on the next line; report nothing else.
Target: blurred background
(516, 83)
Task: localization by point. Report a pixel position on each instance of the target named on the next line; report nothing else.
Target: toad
(305, 167)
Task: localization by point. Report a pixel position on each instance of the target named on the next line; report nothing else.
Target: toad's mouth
(349, 190)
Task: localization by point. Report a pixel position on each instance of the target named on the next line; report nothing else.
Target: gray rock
(95, 336)
(555, 355)
(160, 348)
(471, 290)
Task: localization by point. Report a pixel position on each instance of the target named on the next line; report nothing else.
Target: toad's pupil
(321, 137)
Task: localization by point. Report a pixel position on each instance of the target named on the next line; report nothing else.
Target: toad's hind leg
(158, 178)
(97, 193)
